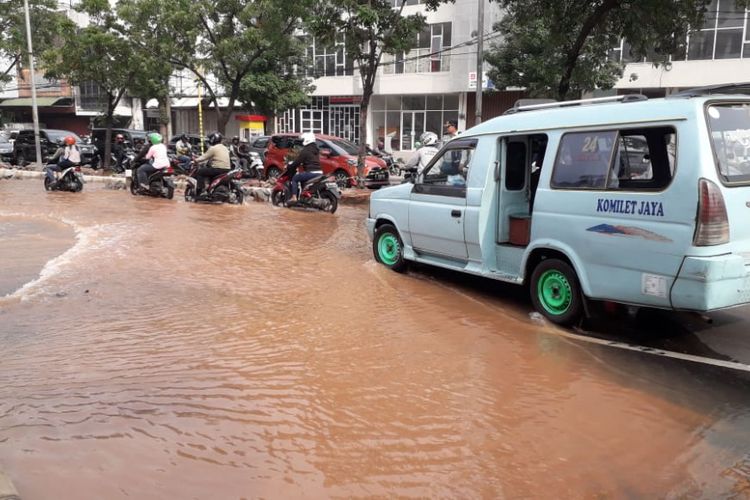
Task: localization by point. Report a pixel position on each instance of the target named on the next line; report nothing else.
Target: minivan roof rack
(724, 88)
(562, 104)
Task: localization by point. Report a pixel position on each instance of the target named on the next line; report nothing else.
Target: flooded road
(190, 351)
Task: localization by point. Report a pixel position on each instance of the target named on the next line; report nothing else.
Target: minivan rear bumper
(709, 283)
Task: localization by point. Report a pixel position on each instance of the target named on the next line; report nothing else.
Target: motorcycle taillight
(169, 170)
(78, 169)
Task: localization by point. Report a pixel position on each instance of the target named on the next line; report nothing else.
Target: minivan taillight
(712, 226)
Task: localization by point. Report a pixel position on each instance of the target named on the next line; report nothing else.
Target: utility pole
(34, 109)
(480, 61)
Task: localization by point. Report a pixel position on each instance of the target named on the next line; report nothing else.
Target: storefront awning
(25, 102)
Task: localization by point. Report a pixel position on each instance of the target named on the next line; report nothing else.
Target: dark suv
(131, 136)
(24, 149)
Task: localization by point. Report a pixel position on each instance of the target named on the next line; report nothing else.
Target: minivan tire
(556, 292)
(388, 248)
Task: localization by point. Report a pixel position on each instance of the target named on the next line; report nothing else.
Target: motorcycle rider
(184, 150)
(217, 162)
(67, 155)
(309, 159)
(425, 153)
(118, 150)
(238, 151)
(157, 153)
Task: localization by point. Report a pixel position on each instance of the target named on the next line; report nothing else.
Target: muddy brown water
(172, 350)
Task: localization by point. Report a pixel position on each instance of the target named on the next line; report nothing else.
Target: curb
(258, 193)
(14, 173)
(7, 490)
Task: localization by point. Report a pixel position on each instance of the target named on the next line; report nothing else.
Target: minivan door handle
(455, 213)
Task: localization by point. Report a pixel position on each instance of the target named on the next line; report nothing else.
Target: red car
(338, 157)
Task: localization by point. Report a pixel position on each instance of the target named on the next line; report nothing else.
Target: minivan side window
(583, 160)
(449, 168)
(626, 160)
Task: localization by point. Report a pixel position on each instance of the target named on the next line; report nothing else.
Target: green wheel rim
(554, 292)
(389, 249)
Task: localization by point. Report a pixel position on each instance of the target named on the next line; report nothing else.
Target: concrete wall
(681, 74)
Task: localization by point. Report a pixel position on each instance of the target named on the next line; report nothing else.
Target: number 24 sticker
(590, 144)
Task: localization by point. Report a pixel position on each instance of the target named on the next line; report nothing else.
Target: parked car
(259, 145)
(581, 229)
(195, 142)
(338, 157)
(24, 149)
(6, 148)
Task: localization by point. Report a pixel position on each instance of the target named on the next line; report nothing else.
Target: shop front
(251, 126)
(399, 121)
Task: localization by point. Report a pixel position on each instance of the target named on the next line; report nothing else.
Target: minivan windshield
(729, 126)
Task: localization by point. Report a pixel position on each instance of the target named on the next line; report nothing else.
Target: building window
(722, 35)
(328, 61)
(725, 34)
(429, 55)
(397, 3)
(399, 121)
(90, 96)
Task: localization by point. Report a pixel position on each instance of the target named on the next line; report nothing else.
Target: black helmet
(215, 138)
(184, 138)
(235, 139)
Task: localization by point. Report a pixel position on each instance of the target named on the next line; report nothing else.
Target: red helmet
(69, 140)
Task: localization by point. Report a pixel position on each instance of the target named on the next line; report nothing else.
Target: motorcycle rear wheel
(189, 194)
(239, 197)
(170, 192)
(279, 198)
(47, 184)
(333, 202)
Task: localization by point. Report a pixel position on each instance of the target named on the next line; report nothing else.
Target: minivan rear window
(729, 126)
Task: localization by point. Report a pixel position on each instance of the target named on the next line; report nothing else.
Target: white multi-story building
(717, 53)
(414, 92)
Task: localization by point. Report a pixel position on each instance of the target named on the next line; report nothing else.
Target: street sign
(486, 82)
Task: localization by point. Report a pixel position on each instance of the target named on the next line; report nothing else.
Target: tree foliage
(102, 52)
(233, 46)
(47, 23)
(559, 48)
(370, 29)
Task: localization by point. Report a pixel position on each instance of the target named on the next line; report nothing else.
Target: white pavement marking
(732, 365)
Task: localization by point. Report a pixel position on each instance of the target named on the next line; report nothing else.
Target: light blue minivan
(630, 200)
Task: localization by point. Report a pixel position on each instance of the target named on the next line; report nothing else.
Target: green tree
(559, 48)
(227, 42)
(102, 52)
(47, 23)
(370, 28)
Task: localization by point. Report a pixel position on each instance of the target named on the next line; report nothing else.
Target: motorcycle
(69, 179)
(127, 162)
(160, 183)
(225, 188)
(252, 167)
(394, 166)
(321, 193)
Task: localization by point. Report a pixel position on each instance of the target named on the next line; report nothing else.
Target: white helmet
(429, 139)
(308, 138)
